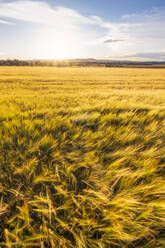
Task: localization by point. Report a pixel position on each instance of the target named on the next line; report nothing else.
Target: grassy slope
(82, 159)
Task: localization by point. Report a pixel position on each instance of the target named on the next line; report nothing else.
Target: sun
(54, 43)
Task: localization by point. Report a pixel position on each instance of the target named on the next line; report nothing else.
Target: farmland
(82, 157)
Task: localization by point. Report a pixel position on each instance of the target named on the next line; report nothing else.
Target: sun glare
(58, 44)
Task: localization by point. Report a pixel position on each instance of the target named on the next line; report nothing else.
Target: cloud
(41, 12)
(5, 22)
(112, 41)
(152, 14)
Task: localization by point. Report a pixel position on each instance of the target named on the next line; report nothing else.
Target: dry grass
(82, 159)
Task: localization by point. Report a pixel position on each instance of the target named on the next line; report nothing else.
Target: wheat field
(82, 157)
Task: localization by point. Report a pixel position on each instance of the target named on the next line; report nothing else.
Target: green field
(82, 157)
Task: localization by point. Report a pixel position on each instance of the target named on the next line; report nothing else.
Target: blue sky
(59, 29)
(109, 9)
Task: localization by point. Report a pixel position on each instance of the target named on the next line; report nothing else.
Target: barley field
(82, 157)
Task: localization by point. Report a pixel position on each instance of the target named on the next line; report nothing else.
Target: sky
(101, 29)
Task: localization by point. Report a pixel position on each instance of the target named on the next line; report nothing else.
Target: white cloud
(63, 31)
(5, 22)
(41, 12)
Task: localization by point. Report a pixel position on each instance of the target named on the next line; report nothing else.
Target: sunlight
(56, 43)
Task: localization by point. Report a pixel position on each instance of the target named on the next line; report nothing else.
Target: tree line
(57, 63)
(80, 62)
